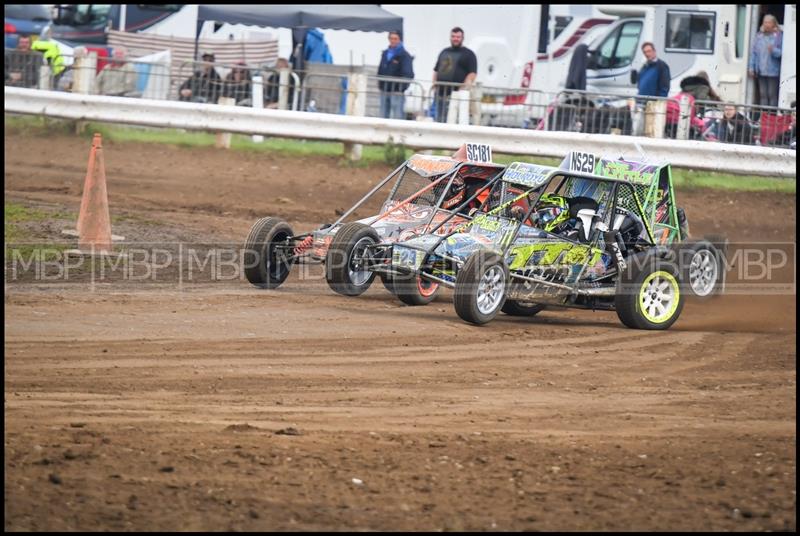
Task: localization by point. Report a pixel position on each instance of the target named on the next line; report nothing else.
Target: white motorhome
(689, 38)
(561, 29)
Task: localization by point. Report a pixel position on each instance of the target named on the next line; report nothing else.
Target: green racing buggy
(595, 233)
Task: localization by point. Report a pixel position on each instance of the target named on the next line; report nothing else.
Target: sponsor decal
(530, 175)
(635, 172)
(430, 165)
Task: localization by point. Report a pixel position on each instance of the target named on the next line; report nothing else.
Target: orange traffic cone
(94, 222)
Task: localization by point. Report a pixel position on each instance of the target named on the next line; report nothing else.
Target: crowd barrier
(677, 117)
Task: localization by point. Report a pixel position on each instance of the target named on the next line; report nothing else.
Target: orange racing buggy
(419, 195)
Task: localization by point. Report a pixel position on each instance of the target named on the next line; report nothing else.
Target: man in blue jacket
(395, 62)
(654, 78)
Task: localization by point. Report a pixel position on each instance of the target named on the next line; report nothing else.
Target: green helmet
(551, 211)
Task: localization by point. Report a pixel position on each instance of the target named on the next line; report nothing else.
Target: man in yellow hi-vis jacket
(52, 54)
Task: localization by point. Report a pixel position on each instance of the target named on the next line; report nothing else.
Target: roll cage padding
(579, 203)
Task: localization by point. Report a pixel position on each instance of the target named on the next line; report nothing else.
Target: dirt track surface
(224, 407)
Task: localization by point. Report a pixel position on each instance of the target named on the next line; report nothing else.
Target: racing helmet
(456, 194)
(552, 210)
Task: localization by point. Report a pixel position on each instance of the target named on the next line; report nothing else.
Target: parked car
(25, 19)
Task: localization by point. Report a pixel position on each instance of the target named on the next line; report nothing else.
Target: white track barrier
(699, 155)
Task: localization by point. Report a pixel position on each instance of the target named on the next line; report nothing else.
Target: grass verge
(21, 241)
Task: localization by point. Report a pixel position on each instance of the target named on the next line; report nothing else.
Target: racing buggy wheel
(703, 267)
(649, 294)
(480, 289)
(344, 263)
(413, 289)
(266, 265)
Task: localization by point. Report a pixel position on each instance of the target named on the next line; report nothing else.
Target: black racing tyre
(263, 266)
(414, 290)
(343, 270)
(702, 268)
(480, 288)
(521, 308)
(649, 296)
(387, 282)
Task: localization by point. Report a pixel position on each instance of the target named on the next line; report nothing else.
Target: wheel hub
(703, 272)
(491, 289)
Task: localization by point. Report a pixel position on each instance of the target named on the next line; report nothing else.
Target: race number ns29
(479, 152)
(583, 162)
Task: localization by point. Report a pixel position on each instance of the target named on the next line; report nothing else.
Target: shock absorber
(613, 245)
(301, 248)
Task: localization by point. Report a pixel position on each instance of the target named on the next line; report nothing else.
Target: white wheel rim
(491, 289)
(658, 299)
(703, 272)
(358, 277)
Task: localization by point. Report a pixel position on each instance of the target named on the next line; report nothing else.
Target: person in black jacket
(576, 74)
(395, 62)
(204, 85)
(733, 127)
(22, 64)
(239, 85)
(455, 65)
(272, 87)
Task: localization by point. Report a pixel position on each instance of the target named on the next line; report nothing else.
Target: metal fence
(364, 94)
(199, 81)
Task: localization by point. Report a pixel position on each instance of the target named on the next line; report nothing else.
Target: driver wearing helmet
(552, 213)
(561, 215)
(456, 194)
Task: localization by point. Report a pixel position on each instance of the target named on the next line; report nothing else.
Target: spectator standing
(118, 77)
(239, 85)
(397, 63)
(51, 53)
(765, 61)
(22, 65)
(315, 48)
(205, 85)
(456, 64)
(654, 77)
(272, 86)
(576, 74)
(733, 127)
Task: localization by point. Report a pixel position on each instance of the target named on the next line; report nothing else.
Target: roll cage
(378, 254)
(421, 178)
